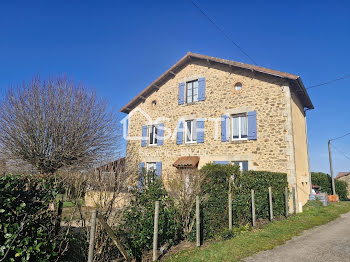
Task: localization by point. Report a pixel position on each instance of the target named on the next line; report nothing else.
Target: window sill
(239, 141)
(155, 145)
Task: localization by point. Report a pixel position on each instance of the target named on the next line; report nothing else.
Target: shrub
(214, 192)
(325, 181)
(27, 226)
(218, 183)
(260, 181)
(137, 227)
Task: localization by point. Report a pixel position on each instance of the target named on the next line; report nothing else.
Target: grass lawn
(269, 236)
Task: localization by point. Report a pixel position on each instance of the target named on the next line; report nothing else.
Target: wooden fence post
(253, 209)
(198, 223)
(270, 204)
(155, 232)
(286, 201)
(115, 240)
(92, 236)
(230, 212)
(294, 201)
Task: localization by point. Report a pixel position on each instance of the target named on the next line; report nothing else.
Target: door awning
(186, 162)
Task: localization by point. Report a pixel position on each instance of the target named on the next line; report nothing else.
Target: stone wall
(347, 180)
(269, 96)
(301, 150)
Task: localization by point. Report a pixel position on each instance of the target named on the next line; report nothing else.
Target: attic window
(154, 103)
(238, 86)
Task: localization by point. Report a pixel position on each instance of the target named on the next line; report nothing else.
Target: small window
(154, 103)
(238, 86)
(243, 165)
(151, 166)
(192, 92)
(239, 127)
(152, 134)
(191, 131)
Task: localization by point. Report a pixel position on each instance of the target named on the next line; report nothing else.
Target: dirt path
(330, 242)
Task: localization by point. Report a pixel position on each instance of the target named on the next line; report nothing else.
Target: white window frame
(151, 166)
(239, 116)
(154, 141)
(192, 132)
(192, 91)
(240, 164)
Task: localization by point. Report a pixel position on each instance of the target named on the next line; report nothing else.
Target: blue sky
(119, 47)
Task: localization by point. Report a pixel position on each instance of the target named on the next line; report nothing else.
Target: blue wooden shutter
(200, 131)
(222, 162)
(160, 134)
(252, 128)
(201, 89)
(181, 93)
(141, 167)
(179, 138)
(158, 169)
(245, 166)
(224, 127)
(144, 136)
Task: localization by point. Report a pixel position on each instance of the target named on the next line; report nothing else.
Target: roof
(294, 80)
(342, 174)
(186, 161)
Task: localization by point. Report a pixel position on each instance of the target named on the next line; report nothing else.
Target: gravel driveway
(330, 242)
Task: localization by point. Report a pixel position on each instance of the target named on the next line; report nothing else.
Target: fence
(199, 240)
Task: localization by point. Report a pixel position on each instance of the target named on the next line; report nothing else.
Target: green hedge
(27, 227)
(214, 193)
(325, 181)
(260, 181)
(214, 196)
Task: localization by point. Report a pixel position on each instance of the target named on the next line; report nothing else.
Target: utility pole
(331, 165)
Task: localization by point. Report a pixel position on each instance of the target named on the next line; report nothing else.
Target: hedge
(27, 227)
(260, 181)
(214, 195)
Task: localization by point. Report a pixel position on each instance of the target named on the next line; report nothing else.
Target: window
(152, 134)
(243, 165)
(238, 86)
(239, 127)
(154, 103)
(192, 91)
(191, 131)
(151, 166)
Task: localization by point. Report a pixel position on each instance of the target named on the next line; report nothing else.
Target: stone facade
(347, 180)
(281, 144)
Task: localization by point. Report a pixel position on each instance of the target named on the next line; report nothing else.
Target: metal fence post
(155, 232)
(270, 204)
(253, 209)
(198, 223)
(92, 236)
(230, 211)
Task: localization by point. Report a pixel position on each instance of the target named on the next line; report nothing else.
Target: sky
(120, 47)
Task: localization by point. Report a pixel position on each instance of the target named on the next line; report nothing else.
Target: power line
(339, 137)
(330, 81)
(341, 152)
(221, 30)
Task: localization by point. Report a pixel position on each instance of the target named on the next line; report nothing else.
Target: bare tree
(55, 123)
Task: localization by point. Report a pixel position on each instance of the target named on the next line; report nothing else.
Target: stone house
(344, 176)
(206, 109)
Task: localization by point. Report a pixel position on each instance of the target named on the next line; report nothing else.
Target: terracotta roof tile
(342, 174)
(186, 161)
